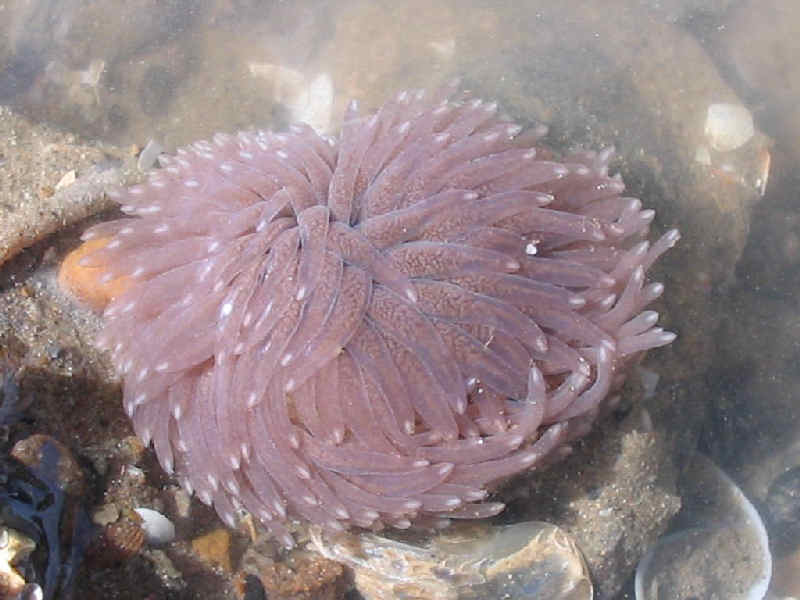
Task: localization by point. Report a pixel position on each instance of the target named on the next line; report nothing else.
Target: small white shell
(728, 126)
(158, 529)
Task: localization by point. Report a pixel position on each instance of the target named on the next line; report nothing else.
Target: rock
(85, 283)
(215, 548)
(14, 549)
(720, 548)
(106, 514)
(303, 577)
(613, 498)
(69, 474)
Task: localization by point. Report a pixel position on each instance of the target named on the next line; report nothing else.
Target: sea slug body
(373, 329)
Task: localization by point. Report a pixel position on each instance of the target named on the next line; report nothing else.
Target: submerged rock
(723, 551)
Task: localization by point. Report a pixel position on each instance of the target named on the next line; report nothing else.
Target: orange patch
(84, 282)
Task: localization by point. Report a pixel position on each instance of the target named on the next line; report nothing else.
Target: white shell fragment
(722, 553)
(66, 180)
(728, 126)
(158, 529)
(470, 561)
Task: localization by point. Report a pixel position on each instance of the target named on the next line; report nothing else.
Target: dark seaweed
(32, 501)
(12, 406)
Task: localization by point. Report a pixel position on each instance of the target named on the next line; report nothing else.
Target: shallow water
(637, 74)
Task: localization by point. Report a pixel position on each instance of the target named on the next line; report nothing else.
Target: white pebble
(728, 126)
(158, 529)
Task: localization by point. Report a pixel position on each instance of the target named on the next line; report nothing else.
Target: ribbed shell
(373, 329)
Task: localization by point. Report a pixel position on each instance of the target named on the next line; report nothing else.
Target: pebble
(130, 449)
(215, 548)
(83, 283)
(14, 548)
(69, 475)
(158, 529)
(106, 514)
(304, 577)
(728, 126)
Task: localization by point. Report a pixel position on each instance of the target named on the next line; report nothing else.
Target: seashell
(300, 576)
(158, 529)
(722, 529)
(516, 562)
(127, 536)
(117, 542)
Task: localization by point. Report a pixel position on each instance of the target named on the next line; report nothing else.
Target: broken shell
(728, 126)
(516, 562)
(722, 553)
